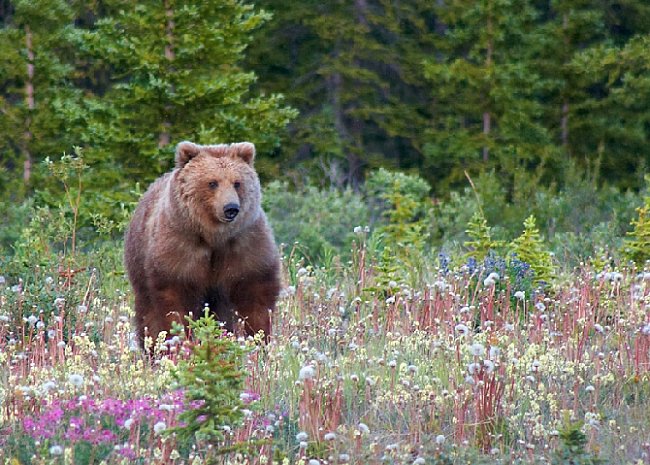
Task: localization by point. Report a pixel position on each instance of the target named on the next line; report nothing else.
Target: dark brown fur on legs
(199, 236)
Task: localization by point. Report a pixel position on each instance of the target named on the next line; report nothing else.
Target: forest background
(543, 104)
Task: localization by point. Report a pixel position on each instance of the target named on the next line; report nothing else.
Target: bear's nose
(231, 210)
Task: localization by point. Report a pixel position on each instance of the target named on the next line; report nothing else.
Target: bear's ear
(185, 151)
(245, 151)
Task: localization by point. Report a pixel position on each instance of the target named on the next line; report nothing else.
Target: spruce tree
(176, 74)
(38, 101)
(484, 85)
(354, 71)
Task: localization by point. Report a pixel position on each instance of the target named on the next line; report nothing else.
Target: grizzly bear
(199, 237)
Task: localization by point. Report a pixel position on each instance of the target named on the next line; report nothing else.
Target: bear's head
(217, 185)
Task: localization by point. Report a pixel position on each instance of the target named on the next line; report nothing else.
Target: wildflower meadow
(465, 362)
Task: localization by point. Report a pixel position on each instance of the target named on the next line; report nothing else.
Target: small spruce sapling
(637, 247)
(529, 248)
(213, 381)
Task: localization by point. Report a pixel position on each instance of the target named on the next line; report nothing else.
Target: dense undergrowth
(391, 342)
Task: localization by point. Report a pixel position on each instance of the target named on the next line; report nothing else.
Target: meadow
(439, 363)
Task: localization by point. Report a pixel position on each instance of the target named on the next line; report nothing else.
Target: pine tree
(354, 70)
(611, 119)
(176, 74)
(485, 86)
(480, 234)
(38, 96)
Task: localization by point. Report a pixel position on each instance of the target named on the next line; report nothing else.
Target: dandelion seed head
(302, 436)
(329, 436)
(76, 380)
(489, 365)
(461, 328)
(440, 439)
(476, 349)
(306, 372)
(56, 450)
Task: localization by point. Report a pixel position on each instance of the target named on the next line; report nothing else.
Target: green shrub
(321, 221)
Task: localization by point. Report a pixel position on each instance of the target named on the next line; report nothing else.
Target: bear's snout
(230, 211)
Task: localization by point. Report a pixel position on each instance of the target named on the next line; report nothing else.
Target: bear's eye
(237, 184)
(213, 184)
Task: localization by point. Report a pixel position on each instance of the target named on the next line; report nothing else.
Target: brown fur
(181, 252)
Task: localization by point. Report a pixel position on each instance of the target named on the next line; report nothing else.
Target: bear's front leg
(253, 301)
(169, 304)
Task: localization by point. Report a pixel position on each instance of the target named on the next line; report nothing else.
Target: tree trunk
(29, 101)
(564, 121)
(164, 138)
(487, 119)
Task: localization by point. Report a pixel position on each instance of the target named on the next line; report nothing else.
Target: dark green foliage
(572, 450)
(354, 70)
(213, 380)
(320, 221)
(485, 86)
(176, 75)
(39, 102)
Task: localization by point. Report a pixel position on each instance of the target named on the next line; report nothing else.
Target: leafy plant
(321, 221)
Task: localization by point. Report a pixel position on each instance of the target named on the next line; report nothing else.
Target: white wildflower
(306, 372)
(76, 380)
(477, 349)
(159, 427)
(473, 368)
(461, 328)
(489, 365)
